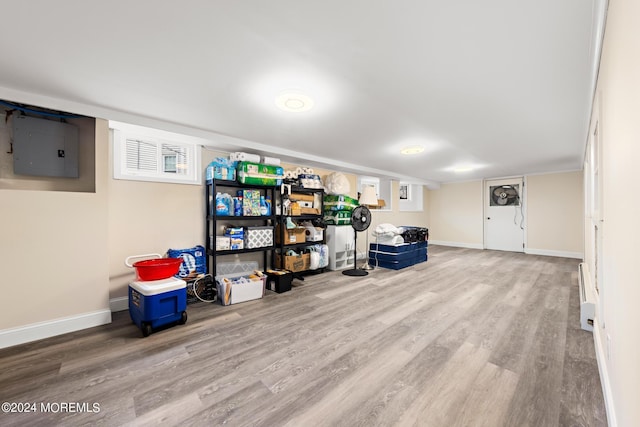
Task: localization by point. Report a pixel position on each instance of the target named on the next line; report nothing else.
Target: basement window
(410, 197)
(144, 154)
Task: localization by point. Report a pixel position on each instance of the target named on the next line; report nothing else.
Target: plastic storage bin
(157, 303)
(233, 293)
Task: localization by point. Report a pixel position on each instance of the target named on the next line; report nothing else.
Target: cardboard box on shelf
(294, 263)
(295, 209)
(302, 197)
(305, 204)
(291, 235)
(309, 211)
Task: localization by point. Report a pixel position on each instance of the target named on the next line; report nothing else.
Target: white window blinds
(154, 156)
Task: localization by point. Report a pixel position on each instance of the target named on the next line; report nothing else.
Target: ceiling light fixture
(294, 102)
(463, 169)
(413, 149)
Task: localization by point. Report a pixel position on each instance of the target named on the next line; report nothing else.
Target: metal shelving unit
(282, 247)
(213, 220)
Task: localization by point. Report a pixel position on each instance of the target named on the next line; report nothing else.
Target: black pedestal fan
(360, 221)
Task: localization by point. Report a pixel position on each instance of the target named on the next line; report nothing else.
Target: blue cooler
(155, 303)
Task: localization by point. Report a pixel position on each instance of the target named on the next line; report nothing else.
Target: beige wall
(619, 100)
(555, 212)
(151, 217)
(53, 250)
(456, 214)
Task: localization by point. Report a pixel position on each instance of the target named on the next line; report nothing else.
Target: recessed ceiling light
(294, 102)
(413, 149)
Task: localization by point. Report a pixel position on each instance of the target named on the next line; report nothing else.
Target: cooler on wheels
(157, 298)
(157, 303)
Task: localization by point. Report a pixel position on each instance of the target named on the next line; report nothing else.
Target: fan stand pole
(355, 271)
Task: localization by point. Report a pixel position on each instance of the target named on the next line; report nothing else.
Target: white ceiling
(502, 85)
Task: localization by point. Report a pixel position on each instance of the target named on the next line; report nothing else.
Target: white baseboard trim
(457, 244)
(560, 254)
(119, 304)
(604, 375)
(51, 328)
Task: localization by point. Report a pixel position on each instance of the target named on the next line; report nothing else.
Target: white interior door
(504, 220)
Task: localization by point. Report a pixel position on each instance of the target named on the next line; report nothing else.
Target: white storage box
(259, 237)
(236, 293)
(233, 293)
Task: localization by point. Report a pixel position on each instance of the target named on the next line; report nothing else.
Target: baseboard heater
(587, 299)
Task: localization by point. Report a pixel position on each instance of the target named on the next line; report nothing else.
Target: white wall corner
(560, 254)
(604, 375)
(51, 328)
(119, 304)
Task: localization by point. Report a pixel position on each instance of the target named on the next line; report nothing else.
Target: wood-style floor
(469, 338)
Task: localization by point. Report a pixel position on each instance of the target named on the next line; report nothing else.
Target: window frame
(122, 132)
(414, 201)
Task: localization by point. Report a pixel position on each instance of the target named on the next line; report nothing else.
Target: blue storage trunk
(157, 303)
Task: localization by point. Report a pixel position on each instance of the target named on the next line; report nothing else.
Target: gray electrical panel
(44, 147)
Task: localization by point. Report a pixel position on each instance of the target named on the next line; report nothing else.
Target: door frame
(523, 201)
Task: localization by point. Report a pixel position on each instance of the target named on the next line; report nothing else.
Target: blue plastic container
(157, 303)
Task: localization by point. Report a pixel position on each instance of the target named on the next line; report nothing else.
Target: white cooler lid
(155, 287)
